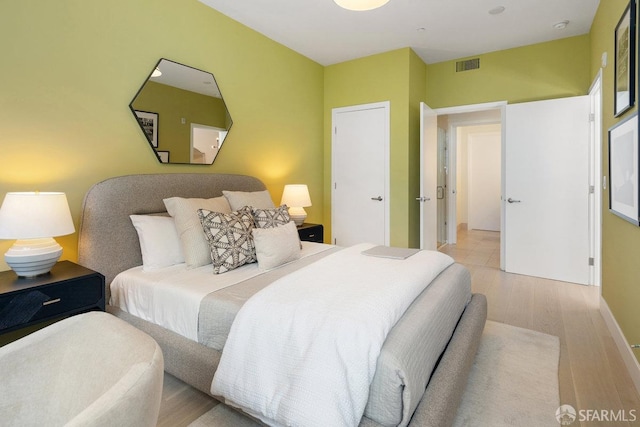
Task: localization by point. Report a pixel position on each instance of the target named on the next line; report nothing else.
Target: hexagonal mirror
(181, 113)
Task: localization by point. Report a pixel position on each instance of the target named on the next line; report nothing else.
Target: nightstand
(311, 232)
(67, 290)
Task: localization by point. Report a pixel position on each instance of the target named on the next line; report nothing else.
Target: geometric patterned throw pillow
(229, 237)
(271, 218)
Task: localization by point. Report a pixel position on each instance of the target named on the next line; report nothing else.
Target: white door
(546, 189)
(428, 177)
(360, 171)
(484, 178)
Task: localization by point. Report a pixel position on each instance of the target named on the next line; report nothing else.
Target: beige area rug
(513, 382)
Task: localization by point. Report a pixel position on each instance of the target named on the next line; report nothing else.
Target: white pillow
(159, 242)
(277, 245)
(255, 199)
(185, 214)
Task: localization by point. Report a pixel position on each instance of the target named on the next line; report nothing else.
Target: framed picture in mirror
(149, 123)
(163, 156)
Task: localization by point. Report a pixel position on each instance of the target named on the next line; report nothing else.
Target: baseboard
(626, 352)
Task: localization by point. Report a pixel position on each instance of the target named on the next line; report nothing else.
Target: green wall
(541, 71)
(390, 76)
(620, 239)
(70, 68)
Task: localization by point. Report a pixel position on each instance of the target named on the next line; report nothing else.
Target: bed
(108, 243)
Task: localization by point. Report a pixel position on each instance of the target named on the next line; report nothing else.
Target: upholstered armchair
(92, 369)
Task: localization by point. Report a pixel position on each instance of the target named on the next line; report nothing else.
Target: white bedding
(303, 351)
(170, 297)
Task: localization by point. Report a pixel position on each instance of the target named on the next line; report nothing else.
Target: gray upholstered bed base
(108, 243)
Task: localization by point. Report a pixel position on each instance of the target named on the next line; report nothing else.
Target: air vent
(469, 64)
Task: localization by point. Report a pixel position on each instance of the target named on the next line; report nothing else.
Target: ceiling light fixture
(561, 25)
(497, 10)
(360, 5)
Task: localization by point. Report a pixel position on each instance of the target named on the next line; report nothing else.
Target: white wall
(484, 153)
(478, 176)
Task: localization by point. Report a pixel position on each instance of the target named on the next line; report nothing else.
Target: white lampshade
(296, 197)
(361, 5)
(34, 218)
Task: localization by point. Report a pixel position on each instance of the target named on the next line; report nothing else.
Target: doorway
(461, 128)
(452, 121)
(205, 143)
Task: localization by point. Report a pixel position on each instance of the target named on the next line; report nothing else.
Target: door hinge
(335, 130)
(592, 189)
(592, 261)
(335, 242)
(592, 117)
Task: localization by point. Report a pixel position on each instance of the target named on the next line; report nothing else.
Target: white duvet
(171, 296)
(303, 351)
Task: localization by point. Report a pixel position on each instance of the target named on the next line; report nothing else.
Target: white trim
(626, 352)
(386, 105)
(469, 108)
(595, 178)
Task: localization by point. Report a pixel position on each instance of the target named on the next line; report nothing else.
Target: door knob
(510, 200)
(379, 198)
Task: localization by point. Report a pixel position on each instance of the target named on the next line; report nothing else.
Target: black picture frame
(624, 162)
(625, 60)
(163, 156)
(148, 121)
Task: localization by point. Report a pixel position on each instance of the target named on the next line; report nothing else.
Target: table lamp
(296, 197)
(34, 218)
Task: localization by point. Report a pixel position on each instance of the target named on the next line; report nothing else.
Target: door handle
(510, 200)
(422, 199)
(379, 198)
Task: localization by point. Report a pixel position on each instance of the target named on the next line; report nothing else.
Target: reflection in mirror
(182, 114)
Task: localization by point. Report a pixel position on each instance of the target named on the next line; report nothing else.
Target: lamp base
(32, 257)
(298, 215)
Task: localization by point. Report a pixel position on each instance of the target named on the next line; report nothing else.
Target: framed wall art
(149, 123)
(623, 169)
(625, 60)
(163, 156)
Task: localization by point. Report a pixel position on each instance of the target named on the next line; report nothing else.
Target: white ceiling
(187, 78)
(437, 30)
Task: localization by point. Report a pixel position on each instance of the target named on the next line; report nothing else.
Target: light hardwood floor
(591, 374)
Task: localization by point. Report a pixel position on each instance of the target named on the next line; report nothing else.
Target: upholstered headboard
(108, 242)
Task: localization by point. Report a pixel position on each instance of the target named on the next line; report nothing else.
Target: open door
(428, 178)
(546, 198)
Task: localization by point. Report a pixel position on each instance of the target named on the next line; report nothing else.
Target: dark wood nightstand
(311, 232)
(67, 290)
